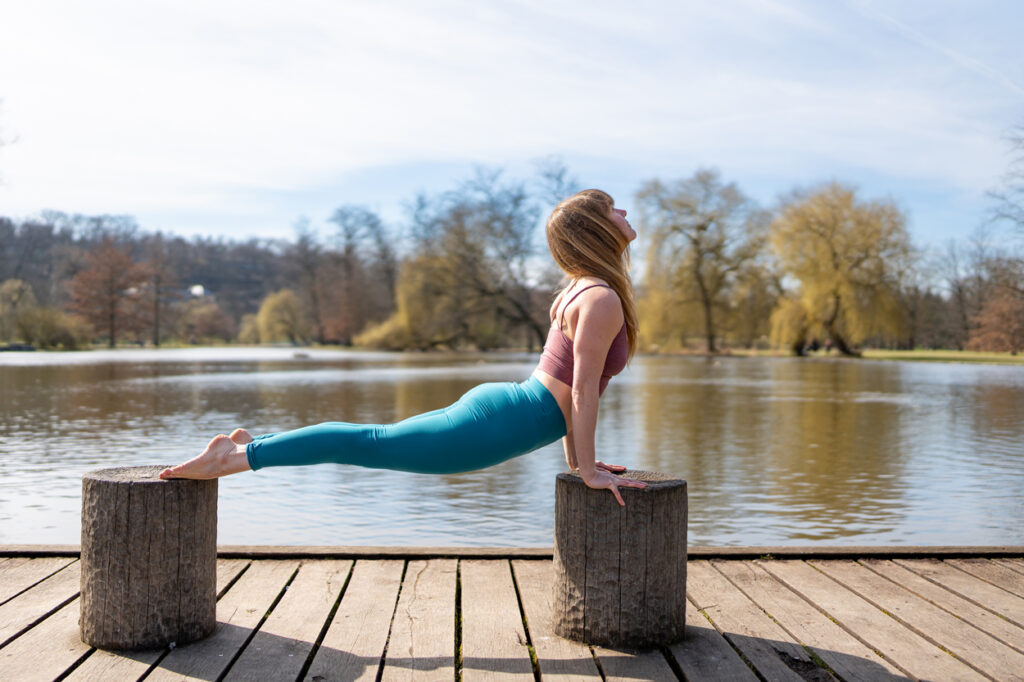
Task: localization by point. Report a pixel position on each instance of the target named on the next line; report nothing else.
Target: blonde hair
(585, 242)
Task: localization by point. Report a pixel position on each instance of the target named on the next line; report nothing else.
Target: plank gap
(849, 630)
(263, 619)
(327, 624)
(728, 640)
(44, 578)
(458, 621)
(597, 662)
(39, 620)
(391, 625)
(71, 668)
(947, 609)
(672, 663)
(791, 664)
(234, 580)
(526, 627)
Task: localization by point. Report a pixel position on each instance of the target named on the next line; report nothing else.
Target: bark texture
(149, 559)
(620, 572)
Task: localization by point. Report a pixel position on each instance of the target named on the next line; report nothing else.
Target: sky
(238, 118)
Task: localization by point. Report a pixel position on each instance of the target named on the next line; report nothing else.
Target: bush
(52, 328)
(391, 334)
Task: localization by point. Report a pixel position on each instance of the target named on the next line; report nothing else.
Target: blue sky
(238, 117)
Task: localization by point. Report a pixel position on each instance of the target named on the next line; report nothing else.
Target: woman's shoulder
(595, 296)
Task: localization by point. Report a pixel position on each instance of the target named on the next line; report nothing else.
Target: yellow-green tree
(844, 254)
(703, 233)
(16, 297)
(281, 318)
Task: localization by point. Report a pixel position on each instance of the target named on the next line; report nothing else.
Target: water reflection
(776, 451)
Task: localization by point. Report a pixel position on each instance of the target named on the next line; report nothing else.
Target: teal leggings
(489, 424)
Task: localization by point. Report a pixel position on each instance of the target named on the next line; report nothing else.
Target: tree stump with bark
(620, 572)
(149, 559)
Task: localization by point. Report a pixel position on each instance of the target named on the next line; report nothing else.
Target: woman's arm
(570, 452)
(598, 323)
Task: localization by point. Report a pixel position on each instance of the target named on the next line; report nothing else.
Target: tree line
(467, 268)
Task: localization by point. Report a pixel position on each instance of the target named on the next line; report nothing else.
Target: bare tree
(1009, 197)
(708, 230)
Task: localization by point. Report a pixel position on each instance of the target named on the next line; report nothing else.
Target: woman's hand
(613, 468)
(602, 478)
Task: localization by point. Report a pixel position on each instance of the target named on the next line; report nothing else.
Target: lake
(775, 450)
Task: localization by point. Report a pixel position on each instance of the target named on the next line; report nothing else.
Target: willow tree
(703, 234)
(844, 254)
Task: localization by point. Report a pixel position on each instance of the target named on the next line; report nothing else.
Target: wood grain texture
(21, 573)
(840, 650)
(970, 645)
(760, 639)
(23, 660)
(1012, 564)
(238, 612)
(422, 645)
(33, 604)
(354, 643)
(978, 616)
(906, 649)
(990, 571)
(558, 658)
(993, 598)
(494, 645)
(148, 558)
(102, 665)
(279, 649)
(705, 655)
(627, 665)
(620, 572)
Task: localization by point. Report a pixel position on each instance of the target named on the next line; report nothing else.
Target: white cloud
(146, 107)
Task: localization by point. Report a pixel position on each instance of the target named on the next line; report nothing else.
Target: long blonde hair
(585, 242)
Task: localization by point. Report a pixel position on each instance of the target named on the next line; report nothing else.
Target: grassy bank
(945, 356)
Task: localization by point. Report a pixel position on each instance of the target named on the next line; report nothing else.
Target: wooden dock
(292, 613)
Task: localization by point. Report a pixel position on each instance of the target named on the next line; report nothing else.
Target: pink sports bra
(557, 358)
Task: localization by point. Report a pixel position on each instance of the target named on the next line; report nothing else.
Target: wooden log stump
(620, 572)
(149, 559)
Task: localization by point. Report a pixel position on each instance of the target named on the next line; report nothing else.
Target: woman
(592, 335)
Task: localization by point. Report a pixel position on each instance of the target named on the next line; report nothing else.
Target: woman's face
(618, 216)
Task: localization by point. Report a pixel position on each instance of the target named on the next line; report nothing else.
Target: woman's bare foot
(221, 457)
(240, 436)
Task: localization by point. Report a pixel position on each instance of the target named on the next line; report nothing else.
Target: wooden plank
(47, 650)
(1012, 564)
(705, 655)
(280, 648)
(102, 666)
(227, 570)
(422, 644)
(760, 639)
(1000, 576)
(842, 652)
(132, 665)
(354, 643)
(35, 603)
(624, 665)
(994, 599)
(970, 645)
(980, 617)
(494, 643)
(20, 573)
(911, 652)
(238, 612)
(558, 658)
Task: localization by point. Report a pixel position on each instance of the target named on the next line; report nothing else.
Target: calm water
(776, 451)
